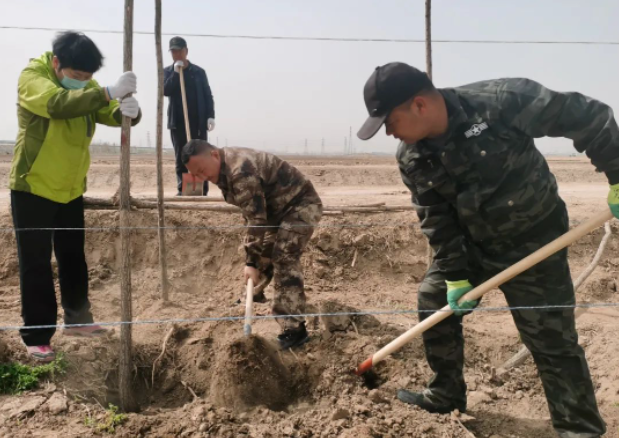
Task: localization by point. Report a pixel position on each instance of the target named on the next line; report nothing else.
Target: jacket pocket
(427, 173)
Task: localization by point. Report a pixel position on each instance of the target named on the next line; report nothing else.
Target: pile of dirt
(249, 373)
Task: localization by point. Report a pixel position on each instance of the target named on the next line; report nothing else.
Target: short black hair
(75, 50)
(196, 147)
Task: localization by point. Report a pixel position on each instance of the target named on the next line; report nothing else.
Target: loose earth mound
(249, 373)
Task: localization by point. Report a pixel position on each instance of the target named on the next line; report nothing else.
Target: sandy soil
(245, 388)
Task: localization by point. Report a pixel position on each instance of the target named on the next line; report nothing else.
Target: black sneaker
(427, 403)
(291, 338)
(260, 298)
(179, 193)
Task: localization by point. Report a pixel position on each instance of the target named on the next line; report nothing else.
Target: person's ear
(419, 105)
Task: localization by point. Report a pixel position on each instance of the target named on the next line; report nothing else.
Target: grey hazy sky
(276, 94)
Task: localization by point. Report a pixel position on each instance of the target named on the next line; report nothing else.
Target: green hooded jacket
(51, 156)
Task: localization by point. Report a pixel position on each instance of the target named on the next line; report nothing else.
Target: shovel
(514, 270)
(191, 185)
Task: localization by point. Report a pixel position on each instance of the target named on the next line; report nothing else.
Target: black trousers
(179, 139)
(34, 251)
(549, 334)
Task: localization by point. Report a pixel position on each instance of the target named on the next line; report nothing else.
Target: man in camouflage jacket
(486, 199)
(281, 208)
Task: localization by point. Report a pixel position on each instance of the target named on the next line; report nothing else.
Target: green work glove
(455, 291)
(613, 200)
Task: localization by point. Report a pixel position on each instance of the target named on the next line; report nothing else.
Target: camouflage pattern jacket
(484, 182)
(265, 188)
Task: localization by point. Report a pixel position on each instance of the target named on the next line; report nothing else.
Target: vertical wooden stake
(163, 264)
(429, 254)
(127, 400)
(429, 38)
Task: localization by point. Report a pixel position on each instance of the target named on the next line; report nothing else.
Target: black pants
(34, 251)
(179, 139)
(550, 334)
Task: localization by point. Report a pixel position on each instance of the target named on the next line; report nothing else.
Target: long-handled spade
(514, 270)
(188, 190)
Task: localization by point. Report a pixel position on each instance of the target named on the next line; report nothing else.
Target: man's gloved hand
(613, 200)
(455, 291)
(127, 83)
(211, 124)
(129, 107)
(178, 66)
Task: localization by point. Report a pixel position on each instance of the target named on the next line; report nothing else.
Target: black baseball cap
(177, 43)
(389, 86)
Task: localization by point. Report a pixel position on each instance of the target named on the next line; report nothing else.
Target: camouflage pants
(550, 335)
(283, 248)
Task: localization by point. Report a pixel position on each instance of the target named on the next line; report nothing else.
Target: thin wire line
(330, 39)
(305, 315)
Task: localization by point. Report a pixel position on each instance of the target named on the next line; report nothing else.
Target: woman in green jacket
(59, 107)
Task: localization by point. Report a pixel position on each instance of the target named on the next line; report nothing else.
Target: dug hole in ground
(212, 381)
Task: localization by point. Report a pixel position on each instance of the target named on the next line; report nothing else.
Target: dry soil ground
(245, 388)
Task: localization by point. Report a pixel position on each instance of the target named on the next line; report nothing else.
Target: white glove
(178, 66)
(126, 84)
(211, 124)
(129, 107)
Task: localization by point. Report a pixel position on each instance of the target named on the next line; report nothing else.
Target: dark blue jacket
(204, 98)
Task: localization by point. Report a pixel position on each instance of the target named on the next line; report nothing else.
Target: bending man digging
(486, 199)
(281, 208)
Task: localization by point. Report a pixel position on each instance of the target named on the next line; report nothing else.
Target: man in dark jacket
(486, 199)
(200, 105)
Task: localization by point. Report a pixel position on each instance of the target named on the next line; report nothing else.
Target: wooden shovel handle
(514, 270)
(185, 112)
(249, 303)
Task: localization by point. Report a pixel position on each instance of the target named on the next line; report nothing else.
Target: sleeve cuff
(457, 275)
(251, 260)
(613, 177)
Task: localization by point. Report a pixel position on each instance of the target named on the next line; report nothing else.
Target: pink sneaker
(42, 353)
(90, 331)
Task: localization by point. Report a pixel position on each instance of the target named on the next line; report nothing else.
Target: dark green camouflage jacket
(265, 188)
(484, 181)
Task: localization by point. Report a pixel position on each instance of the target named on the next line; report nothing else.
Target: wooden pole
(429, 38)
(163, 264)
(184, 99)
(429, 252)
(107, 203)
(127, 400)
